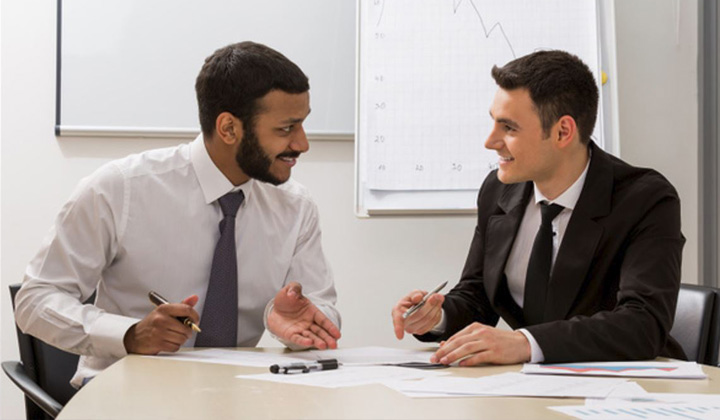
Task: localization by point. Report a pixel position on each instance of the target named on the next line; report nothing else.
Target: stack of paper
(676, 370)
(701, 408)
(509, 384)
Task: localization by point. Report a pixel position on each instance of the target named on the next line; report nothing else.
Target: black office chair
(693, 317)
(43, 373)
(712, 356)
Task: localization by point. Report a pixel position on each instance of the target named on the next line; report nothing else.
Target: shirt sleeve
(536, 353)
(66, 271)
(439, 329)
(310, 268)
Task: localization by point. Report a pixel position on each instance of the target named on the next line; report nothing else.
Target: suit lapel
(582, 237)
(500, 235)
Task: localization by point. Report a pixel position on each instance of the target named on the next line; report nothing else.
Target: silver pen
(419, 305)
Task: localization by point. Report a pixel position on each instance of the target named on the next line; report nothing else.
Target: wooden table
(150, 388)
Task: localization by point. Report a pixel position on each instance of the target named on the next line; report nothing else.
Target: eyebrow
(295, 120)
(507, 121)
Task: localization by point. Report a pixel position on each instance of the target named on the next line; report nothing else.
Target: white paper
(347, 376)
(347, 357)
(623, 392)
(647, 411)
(640, 369)
(237, 357)
(657, 397)
(373, 355)
(515, 384)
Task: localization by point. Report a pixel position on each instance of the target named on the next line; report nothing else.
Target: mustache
(291, 155)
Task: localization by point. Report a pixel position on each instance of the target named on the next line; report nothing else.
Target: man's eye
(509, 128)
(287, 129)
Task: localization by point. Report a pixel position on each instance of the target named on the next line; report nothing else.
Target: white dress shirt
(517, 264)
(150, 222)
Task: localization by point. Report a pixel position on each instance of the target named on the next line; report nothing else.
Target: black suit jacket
(616, 277)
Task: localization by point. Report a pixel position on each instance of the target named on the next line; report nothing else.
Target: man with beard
(215, 225)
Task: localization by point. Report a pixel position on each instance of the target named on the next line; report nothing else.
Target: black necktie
(538, 272)
(220, 311)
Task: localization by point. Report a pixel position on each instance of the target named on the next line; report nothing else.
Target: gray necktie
(220, 311)
(538, 272)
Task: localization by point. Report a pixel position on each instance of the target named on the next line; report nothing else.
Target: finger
(174, 330)
(461, 347)
(191, 300)
(175, 338)
(435, 300)
(170, 346)
(479, 358)
(422, 315)
(176, 323)
(317, 342)
(425, 319)
(176, 310)
(324, 336)
(470, 350)
(420, 322)
(449, 345)
(398, 320)
(301, 340)
(416, 296)
(462, 334)
(324, 322)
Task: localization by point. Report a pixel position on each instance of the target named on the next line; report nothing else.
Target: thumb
(294, 290)
(191, 300)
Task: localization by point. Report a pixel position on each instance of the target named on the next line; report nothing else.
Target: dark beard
(252, 159)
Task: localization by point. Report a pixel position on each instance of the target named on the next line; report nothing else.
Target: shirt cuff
(536, 353)
(439, 329)
(107, 334)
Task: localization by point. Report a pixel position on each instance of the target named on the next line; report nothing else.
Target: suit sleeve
(638, 326)
(467, 302)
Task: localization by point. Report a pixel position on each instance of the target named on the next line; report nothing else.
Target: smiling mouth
(289, 159)
(506, 159)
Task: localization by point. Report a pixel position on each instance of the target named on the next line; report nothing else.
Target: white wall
(658, 101)
(376, 260)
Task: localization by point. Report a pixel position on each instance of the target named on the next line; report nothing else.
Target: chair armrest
(15, 371)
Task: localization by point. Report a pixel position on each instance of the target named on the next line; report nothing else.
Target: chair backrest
(48, 366)
(712, 356)
(693, 317)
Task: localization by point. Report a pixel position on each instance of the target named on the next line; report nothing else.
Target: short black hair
(559, 84)
(234, 77)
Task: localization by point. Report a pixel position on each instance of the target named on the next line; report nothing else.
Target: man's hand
(295, 319)
(423, 320)
(477, 344)
(160, 330)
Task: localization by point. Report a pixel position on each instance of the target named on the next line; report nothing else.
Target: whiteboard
(128, 67)
(424, 91)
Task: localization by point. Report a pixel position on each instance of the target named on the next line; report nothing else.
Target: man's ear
(229, 128)
(566, 131)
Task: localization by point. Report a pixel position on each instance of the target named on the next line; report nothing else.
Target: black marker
(325, 364)
(159, 300)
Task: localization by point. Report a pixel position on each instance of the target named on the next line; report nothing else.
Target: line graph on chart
(425, 84)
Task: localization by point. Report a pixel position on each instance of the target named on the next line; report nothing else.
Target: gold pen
(159, 300)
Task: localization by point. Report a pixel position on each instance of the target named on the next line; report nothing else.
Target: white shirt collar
(213, 183)
(569, 197)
